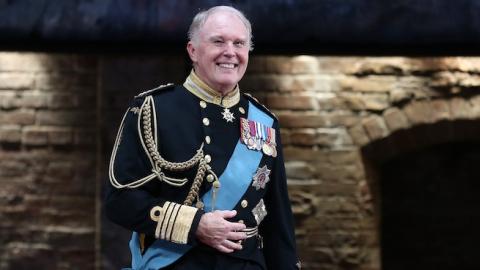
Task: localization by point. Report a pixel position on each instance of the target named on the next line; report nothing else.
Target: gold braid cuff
(174, 221)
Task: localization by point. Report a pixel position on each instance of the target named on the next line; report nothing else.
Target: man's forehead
(224, 19)
(213, 36)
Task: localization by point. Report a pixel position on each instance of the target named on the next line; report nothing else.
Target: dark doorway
(430, 208)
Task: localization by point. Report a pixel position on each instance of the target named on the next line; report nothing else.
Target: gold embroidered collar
(206, 93)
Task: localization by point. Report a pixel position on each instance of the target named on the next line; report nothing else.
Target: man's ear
(192, 51)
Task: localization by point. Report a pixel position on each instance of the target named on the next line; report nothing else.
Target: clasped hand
(214, 230)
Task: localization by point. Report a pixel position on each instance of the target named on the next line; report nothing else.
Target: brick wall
(339, 116)
(47, 161)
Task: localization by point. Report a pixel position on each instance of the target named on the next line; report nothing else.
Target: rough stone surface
(331, 111)
(45, 203)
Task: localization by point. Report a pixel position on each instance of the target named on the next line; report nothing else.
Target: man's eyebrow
(215, 37)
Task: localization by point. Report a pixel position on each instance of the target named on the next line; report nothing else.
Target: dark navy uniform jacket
(181, 129)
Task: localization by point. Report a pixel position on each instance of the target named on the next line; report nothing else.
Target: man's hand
(215, 231)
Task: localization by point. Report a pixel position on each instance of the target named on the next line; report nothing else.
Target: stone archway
(434, 133)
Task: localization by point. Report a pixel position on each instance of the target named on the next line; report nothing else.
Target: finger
(236, 236)
(223, 249)
(227, 214)
(236, 226)
(231, 245)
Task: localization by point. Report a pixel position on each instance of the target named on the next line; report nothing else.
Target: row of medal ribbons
(257, 136)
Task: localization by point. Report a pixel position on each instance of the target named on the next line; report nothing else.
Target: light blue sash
(235, 181)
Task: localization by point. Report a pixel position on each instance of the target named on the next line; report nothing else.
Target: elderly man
(197, 170)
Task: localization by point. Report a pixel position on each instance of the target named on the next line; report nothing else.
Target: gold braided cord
(148, 139)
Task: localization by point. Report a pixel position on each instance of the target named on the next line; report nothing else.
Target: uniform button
(241, 221)
(206, 122)
(244, 203)
(207, 139)
(242, 110)
(210, 178)
(203, 104)
(208, 158)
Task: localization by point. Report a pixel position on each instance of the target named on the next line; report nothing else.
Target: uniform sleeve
(277, 228)
(137, 209)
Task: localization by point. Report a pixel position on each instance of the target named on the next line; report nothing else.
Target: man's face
(220, 52)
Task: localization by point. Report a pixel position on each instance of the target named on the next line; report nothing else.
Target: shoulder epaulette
(260, 105)
(151, 91)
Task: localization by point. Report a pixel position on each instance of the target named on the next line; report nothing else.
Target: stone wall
(340, 117)
(48, 161)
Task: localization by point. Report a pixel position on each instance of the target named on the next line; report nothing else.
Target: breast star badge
(259, 212)
(261, 177)
(228, 115)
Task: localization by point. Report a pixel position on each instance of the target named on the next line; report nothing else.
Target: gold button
(206, 122)
(216, 184)
(203, 104)
(242, 110)
(241, 221)
(208, 158)
(207, 139)
(210, 178)
(244, 203)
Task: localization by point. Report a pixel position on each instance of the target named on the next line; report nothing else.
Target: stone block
(419, 112)
(301, 120)
(382, 84)
(303, 137)
(13, 61)
(16, 81)
(329, 101)
(10, 134)
(475, 103)
(60, 136)
(359, 135)
(32, 135)
(66, 118)
(440, 110)
(278, 64)
(18, 117)
(332, 137)
(375, 127)
(31, 100)
(344, 156)
(461, 109)
(342, 118)
(299, 170)
(395, 119)
(291, 102)
(305, 154)
(376, 65)
(304, 64)
(13, 167)
(360, 102)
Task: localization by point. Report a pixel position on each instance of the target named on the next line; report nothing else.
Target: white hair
(201, 17)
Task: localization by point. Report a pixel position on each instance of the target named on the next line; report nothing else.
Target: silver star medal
(261, 177)
(259, 212)
(228, 115)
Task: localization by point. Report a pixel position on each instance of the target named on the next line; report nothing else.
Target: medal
(228, 115)
(259, 212)
(267, 150)
(261, 177)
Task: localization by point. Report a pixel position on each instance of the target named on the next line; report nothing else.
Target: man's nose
(229, 49)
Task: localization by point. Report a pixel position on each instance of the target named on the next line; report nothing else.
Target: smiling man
(197, 169)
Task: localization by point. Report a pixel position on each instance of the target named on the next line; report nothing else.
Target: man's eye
(218, 41)
(239, 44)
